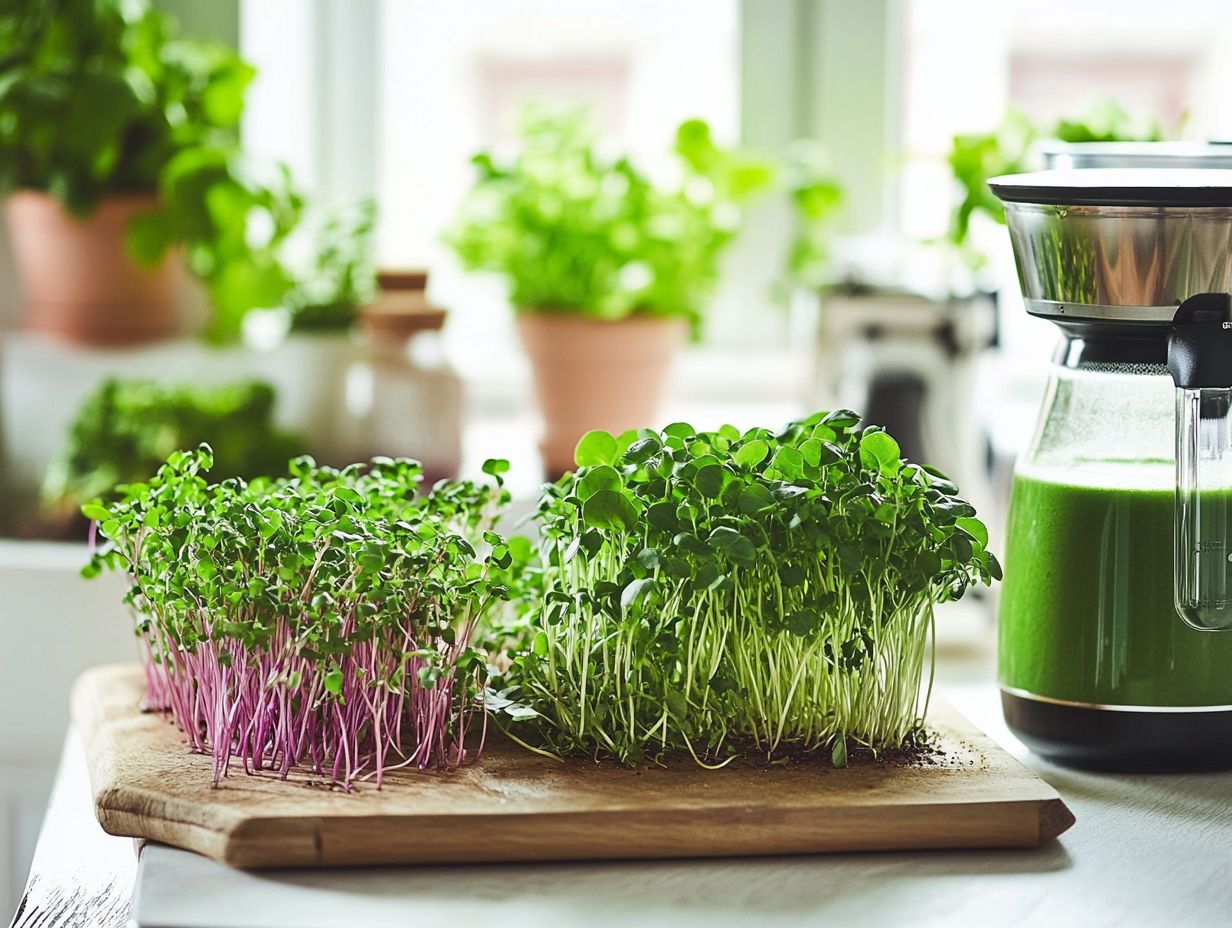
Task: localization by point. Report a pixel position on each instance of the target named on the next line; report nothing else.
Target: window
(442, 81)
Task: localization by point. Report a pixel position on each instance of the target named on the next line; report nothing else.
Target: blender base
(1094, 738)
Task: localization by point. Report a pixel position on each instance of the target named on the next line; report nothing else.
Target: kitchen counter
(1145, 850)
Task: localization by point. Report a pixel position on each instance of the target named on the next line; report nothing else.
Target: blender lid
(1206, 155)
(1123, 247)
(1117, 187)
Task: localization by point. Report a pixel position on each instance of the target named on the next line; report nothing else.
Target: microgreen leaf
(975, 528)
(751, 453)
(332, 681)
(635, 592)
(611, 510)
(596, 447)
(878, 451)
(601, 477)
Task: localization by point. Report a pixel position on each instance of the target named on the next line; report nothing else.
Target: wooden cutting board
(517, 806)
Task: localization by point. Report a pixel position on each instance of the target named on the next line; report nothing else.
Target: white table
(1146, 850)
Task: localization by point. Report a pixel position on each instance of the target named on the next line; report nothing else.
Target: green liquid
(1086, 606)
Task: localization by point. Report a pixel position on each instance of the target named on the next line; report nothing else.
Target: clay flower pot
(594, 374)
(78, 281)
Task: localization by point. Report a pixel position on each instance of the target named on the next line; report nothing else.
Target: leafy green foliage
(573, 229)
(816, 198)
(1107, 121)
(126, 429)
(98, 95)
(102, 96)
(976, 157)
(717, 592)
(233, 225)
(342, 277)
(321, 619)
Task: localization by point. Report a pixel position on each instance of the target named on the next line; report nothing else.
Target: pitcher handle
(1200, 362)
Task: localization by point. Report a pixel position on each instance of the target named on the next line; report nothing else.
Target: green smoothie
(1086, 606)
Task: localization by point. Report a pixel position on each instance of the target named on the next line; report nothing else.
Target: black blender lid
(1117, 187)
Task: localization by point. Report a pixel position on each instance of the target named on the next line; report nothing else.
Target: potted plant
(608, 270)
(333, 280)
(120, 140)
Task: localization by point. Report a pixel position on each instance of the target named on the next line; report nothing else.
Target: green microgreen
(322, 619)
(722, 592)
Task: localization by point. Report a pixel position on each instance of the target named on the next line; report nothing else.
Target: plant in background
(574, 229)
(233, 223)
(718, 593)
(973, 159)
(976, 157)
(126, 429)
(816, 197)
(323, 620)
(342, 276)
(1107, 121)
(101, 97)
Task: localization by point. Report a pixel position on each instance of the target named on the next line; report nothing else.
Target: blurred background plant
(126, 429)
(1009, 149)
(340, 276)
(103, 97)
(574, 227)
(816, 196)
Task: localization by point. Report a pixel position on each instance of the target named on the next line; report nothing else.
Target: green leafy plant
(102, 96)
(816, 197)
(976, 157)
(126, 429)
(718, 593)
(342, 276)
(322, 620)
(573, 229)
(1107, 121)
(233, 223)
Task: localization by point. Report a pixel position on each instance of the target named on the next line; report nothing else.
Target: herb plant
(975, 157)
(323, 619)
(102, 97)
(816, 197)
(717, 593)
(574, 229)
(342, 276)
(126, 429)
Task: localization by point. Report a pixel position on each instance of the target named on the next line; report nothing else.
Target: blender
(1119, 537)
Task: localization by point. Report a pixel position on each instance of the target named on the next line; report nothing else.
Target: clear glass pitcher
(1117, 558)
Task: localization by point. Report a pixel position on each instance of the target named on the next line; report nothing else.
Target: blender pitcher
(1118, 579)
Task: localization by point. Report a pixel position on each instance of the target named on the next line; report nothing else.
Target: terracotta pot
(79, 282)
(594, 374)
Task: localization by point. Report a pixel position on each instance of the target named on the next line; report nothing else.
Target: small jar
(405, 398)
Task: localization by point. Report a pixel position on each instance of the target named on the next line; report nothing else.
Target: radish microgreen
(324, 619)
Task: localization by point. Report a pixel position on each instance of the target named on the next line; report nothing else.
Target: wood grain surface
(516, 806)
(80, 877)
